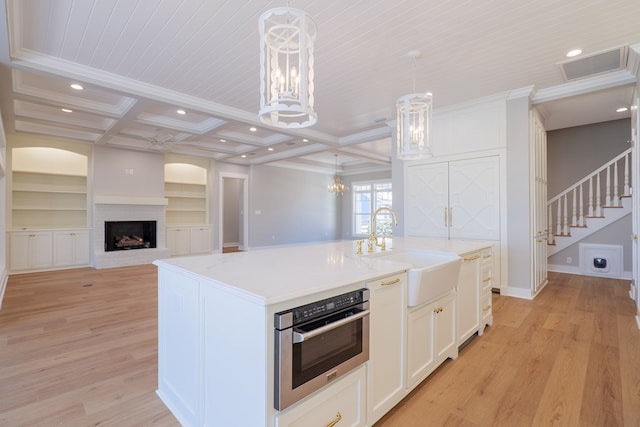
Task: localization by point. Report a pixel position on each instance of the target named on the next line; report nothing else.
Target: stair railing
(567, 209)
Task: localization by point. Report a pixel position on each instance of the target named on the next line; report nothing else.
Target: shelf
(187, 210)
(32, 219)
(186, 218)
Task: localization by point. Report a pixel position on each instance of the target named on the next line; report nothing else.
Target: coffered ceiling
(139, 61)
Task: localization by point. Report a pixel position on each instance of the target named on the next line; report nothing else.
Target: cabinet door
(200, 239)
(178, 240)
(468, 295)
(41, 250)
(474, 198)
(341, 404)
(385, 380)
(445, 343)
(82, 248)
(420, 355)
(20, 257)
(427, 200)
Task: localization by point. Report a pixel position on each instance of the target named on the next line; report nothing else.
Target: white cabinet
(31, 250)
(188, 240)
(486, 303)
(457, 199)
(71, 248)
(474, 293)
(385, 380)
(431, 337)
(469, 292)
(342, 404)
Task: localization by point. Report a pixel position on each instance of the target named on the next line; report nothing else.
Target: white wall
(288, 206)
(118, 172)
(3, 212)
(231, 211)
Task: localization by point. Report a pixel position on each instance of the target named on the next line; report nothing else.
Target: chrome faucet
(373, 239)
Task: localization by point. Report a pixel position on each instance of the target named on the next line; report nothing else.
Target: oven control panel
(319, 309)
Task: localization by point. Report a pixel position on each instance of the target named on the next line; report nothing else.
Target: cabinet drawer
(342, 402)
(487, 303)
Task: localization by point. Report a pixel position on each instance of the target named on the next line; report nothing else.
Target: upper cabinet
(186, 190)
(48, 188)
(457, 199)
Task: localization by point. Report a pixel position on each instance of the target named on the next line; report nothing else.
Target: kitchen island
(216, 323)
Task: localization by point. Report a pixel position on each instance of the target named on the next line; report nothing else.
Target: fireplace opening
(127, 235)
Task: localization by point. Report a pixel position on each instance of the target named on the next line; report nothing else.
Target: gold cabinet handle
(391, 282)
(445, 218)
(488, 279)
(336, 420)
(487, 256)
(438, 310)
(486, 308)
(450, 217)
(471, 258)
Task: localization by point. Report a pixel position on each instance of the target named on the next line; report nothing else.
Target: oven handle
(299, 337)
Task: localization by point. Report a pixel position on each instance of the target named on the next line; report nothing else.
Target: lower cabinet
(486, 273)
(342, 404)
(190, 239)
(70, 248)
(38, 250)
(31, 250)
(469, 289)
(431, 337)
(385, 375)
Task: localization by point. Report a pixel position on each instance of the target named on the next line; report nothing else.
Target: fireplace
(128, 235)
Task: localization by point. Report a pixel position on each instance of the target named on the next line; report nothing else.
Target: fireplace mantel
(131, 200)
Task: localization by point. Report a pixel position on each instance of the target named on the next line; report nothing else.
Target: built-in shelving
(48, 196)
(186, 191)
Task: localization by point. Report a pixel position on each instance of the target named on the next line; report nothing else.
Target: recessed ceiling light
(66, 110)
(76, 86)
(181, 112)
(244, 156)
(270, 149)
(253, 129)
(223, 140)
(574, 52)
(622, 110)
(305, 140)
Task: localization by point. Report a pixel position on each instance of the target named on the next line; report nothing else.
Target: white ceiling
(141, 60)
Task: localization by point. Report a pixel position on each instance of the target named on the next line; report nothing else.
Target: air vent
(592, 65)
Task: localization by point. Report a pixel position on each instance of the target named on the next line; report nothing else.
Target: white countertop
(274, 275)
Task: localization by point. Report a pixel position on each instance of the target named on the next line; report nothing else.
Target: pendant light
(413, 121)
(287, 38)
(338, 186)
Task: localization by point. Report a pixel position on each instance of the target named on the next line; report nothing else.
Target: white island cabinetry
(385, 380)
(216, 336)
(431, 337)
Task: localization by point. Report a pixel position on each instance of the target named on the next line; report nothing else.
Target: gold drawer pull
(471, 258)
(336, 420)
(486, 308)
(487, 256)
(438, 310)
(391, 282)
(488, 279)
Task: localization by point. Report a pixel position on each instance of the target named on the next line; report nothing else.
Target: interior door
(635, 187)
(539, 202)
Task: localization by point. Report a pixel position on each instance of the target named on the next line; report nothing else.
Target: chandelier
(413, 122)
(287, 37)
(338, 186)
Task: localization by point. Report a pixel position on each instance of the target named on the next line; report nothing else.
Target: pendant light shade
(413, 122)
(414, 126)
(287, 38)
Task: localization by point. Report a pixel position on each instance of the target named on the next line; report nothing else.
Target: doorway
(233, 219)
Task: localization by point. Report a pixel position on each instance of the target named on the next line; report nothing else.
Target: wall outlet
(569, 260)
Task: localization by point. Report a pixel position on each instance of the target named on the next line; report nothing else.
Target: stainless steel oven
(319, 342)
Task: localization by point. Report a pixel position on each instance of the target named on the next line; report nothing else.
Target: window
(367, 197)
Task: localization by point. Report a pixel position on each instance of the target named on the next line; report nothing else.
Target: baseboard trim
(516, 292)
(570, 269)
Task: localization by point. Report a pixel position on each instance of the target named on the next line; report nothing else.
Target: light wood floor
(79, 348)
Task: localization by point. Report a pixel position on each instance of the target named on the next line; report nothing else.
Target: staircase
(592, 203)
